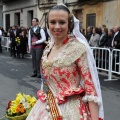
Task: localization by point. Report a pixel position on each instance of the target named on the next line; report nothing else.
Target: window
(17, 18)
(91, 20)
(29, 18)
(7, 21)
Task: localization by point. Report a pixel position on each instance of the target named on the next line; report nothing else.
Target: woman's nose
(57, 25)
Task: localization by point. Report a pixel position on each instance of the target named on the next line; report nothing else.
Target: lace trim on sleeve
(87, 98)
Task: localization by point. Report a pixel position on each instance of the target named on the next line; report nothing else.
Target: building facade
(1, 16)
(89, 12)
(19, 12)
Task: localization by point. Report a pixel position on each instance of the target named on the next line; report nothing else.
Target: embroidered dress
(63, 76)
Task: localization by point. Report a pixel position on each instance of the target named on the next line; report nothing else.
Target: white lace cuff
(87, 98)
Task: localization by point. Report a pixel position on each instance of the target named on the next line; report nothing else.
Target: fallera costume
(62, 76)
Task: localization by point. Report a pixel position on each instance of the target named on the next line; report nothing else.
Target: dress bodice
(63, 74)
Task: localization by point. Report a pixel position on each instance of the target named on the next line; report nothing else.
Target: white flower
(22, 100)
(26, 105)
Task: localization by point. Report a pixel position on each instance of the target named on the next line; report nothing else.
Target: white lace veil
(91, 64)
(90, 59)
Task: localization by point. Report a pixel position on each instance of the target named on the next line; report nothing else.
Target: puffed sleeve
(83, 68)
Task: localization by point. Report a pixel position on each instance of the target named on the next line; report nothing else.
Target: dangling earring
(69, 31)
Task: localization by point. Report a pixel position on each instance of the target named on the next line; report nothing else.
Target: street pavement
(15, 77)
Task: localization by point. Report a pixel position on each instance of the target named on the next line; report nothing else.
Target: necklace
(57, 46)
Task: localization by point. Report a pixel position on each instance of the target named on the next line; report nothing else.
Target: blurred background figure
(95, 37)
(103, 37)
(116, 39)
(89, 33)
(109, 38)
(23, 43)
(0, 39)
(82, 30)
(13, 34)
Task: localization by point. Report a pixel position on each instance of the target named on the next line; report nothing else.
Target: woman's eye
(62, 22)
(53, 22)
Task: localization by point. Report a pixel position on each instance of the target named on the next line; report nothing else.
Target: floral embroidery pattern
(63, 75)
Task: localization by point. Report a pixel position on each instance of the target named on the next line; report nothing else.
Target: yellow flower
(33, 101)
(28, 98)
(14, 102)
(13, 109)
(21, 104)
(9, 112)
(19, 97)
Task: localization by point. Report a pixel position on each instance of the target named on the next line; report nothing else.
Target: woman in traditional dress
(72, 90)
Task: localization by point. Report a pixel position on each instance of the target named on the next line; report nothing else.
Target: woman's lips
(57, 32)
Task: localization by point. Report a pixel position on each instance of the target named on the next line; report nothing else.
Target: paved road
(15, 77)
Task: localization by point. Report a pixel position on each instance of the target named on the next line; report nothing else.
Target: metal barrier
(5, 42)
(103, 59)
(115, 58)
(107, 60)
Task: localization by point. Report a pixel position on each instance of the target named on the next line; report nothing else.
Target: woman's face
(58, 24)
(94, 31)
(22, 33)
(109, 32)
(103, 30)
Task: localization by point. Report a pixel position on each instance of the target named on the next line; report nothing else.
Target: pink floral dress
(63, 75)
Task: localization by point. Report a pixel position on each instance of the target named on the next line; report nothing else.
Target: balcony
(46, 3)
(83, 2)
(5, 1)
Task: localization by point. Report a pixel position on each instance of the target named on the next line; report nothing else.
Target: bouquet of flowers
(17, 40)
(19, 108)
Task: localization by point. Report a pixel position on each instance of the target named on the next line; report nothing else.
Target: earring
(69, 31)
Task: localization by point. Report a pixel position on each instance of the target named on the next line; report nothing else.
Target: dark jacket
(116, 43)
(23, 44)
(88, 36)
(109, 41)
(103, 40)
(13, 36)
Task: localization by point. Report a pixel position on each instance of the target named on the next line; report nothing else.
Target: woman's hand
(94, 110)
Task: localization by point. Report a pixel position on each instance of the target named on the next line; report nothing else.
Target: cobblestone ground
(15, 77)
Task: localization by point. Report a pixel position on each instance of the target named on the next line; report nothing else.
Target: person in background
(109, 38)
(94, 40)
(23, 43)
(82, 30)
(13, 35)
(89, 33)
(36, 38)
(116, 39)
(103, 37)
(0, 40)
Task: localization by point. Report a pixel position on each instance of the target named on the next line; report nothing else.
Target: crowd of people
(18, 40)
(96, 36)
(103, 37)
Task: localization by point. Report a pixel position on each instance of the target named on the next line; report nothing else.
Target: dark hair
(36, 19)
(96, 29)
(111, 30)
(104, 26)
(70, 18)
(105, 29)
